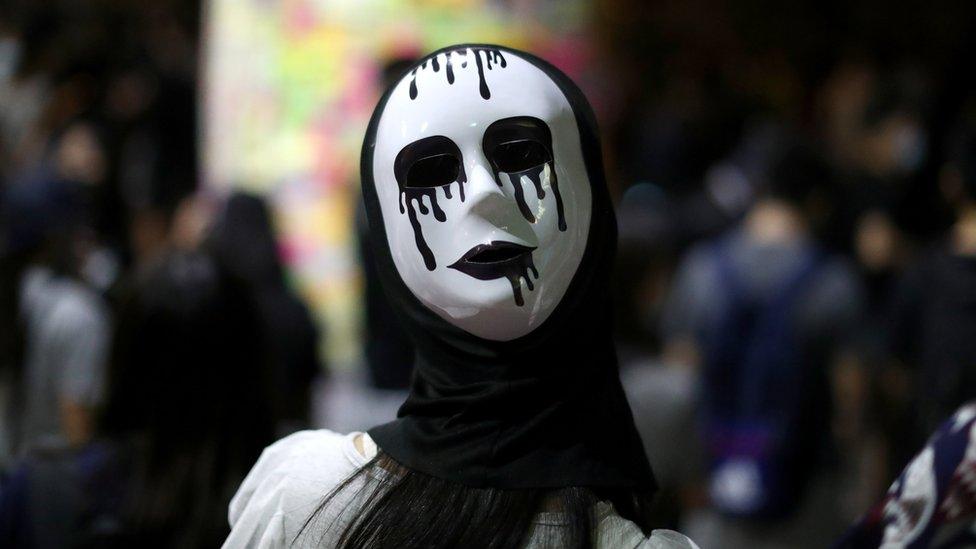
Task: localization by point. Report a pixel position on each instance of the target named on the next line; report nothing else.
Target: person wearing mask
(494, 236)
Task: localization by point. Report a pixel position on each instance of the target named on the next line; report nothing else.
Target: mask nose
(488, 200)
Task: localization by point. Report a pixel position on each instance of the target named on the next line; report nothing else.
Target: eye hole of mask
(518, 156)
(433, 171)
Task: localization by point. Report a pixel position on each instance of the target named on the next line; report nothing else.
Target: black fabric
(933, 329)
(388, 350)
(544, 410)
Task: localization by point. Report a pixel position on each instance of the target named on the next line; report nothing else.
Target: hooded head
(484, 192)
(494, 237)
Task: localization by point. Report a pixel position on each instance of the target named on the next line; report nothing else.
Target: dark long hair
(397, 507)
(243, 240)
(186, 400)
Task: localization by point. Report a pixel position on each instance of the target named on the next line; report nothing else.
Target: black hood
(546, 410)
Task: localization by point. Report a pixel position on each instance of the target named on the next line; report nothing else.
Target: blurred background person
(933, 313)
(242, 240)
(762, 315)
(55, 327)
(187, 412)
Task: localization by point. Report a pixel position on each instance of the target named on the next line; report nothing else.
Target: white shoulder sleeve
(668, 539)
(615, 531)
(285, 486)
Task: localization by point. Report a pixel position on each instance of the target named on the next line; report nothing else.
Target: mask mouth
(493, 260)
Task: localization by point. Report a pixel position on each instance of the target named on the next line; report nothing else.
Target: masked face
(483, 189)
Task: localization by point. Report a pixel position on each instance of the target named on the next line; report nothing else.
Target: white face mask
(483, 189)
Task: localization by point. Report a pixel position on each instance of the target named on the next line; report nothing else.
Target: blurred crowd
(797, 266)
(150, 347)
(796, 278)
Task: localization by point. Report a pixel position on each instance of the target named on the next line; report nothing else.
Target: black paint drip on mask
(535, 176)
(512, 270)
(492, 56)
(411, 197)
(449, 68)
(521, 269)
(411, 200)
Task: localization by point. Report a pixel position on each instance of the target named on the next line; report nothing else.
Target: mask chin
(493, 317)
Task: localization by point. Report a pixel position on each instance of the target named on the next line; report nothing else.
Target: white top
(67, 334)
(293, 476)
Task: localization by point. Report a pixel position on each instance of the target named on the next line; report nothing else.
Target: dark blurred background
(185, 278)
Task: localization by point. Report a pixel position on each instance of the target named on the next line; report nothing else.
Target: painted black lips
(500, 260)
(493, 260)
